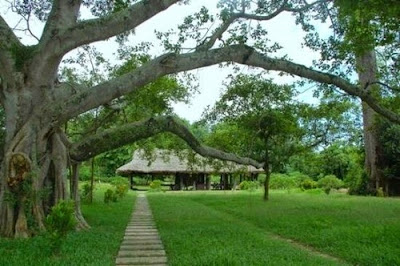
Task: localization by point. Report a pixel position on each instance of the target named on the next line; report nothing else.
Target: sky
(210, 79)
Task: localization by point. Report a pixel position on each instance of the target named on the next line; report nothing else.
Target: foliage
(110, 196)
(308, 183)
(339, 159)
(156, 185)
(59, 222)
(248, 185)
(282, 181)
(368, 24)
(260, 115)
(85, 192)
(330, 182)
(121, 186)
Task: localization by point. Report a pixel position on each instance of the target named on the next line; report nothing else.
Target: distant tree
(258, 121)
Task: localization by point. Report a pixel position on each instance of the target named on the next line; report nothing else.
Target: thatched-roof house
(189, 169)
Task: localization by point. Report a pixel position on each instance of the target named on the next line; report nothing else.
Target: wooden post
(181, 182)
(131, 181)
(193, 178)
(226, 182)
(208, 182)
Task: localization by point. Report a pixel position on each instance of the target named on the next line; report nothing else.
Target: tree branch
(7, 41)
(217, 34)
(63, 14)
(106, 27)
(210, 41)
(59, 38)
(174, 63)
(117, 137)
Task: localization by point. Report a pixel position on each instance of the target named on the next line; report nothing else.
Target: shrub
(308, 183)
(330, 182)
(359, 185)
(282, 181)
(85, 192)
(156, 185)
(380, 193)
(121, 186)
(59, 222)
(299, 177)
(121, 190)
(248, 185)
(109, 196)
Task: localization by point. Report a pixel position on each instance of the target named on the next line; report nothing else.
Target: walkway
(142, 244)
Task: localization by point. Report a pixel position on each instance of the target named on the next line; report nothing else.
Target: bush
(121, 186)
(248, 185)
(308, 183)
(85, 192)
(121, 190)
(109, 196)
(359, 185)
(330, 182)
(156, 185)
(282, 181)
(59, 223)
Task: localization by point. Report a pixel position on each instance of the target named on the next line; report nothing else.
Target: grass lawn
(98, 246)
(238, 228)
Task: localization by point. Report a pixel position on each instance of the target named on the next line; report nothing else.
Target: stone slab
(142, 242)
(142, 247)
(141, 253)
(141, 260)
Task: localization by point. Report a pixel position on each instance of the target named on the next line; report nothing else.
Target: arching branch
(174, 63)
(117, 137)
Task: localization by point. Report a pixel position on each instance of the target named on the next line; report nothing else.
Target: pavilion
(188, 169)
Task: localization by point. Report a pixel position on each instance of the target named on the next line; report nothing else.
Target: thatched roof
(168, 162)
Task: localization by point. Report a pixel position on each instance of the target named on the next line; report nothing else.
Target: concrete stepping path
(142, 244)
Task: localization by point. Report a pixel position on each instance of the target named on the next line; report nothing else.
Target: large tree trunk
(33, 168)
(33, 180)
(367, 74)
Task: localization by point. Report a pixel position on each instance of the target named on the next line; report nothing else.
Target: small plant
(121, 190)
(121, 186)
(330, 182)
(308, 183)
(110, 196)
(85, 192)
(282, 181)
(59, 223)
(248, 185)
(380, 193)
(156, 185)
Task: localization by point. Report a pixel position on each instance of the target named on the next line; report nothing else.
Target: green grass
(98, 246)
(225, 228)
